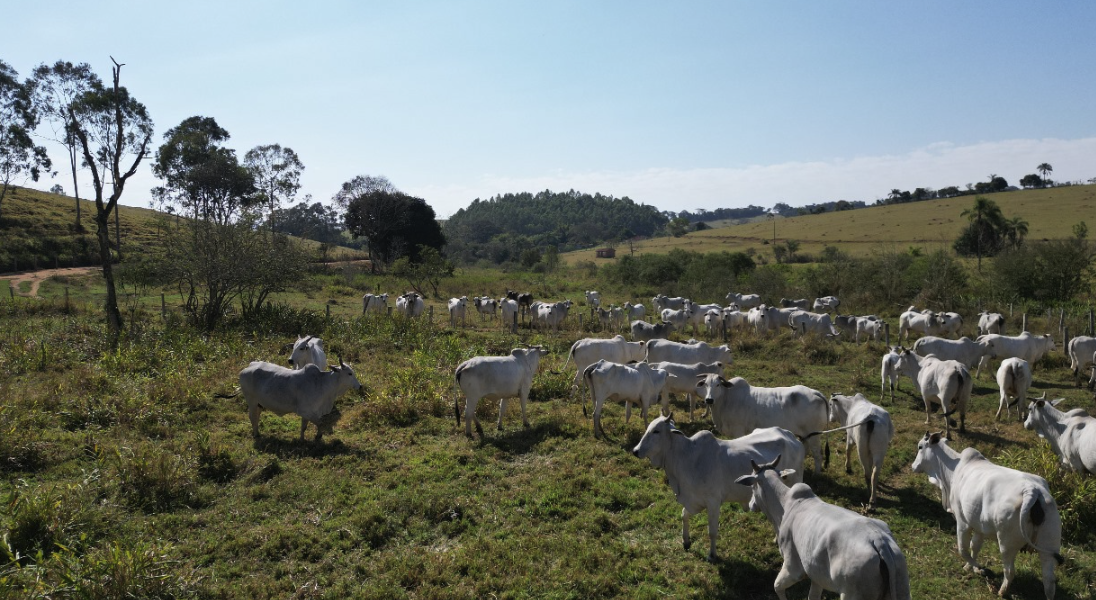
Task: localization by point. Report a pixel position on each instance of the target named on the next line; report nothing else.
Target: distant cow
(308, 351)
(965, 350)
(925, 323)
(593, 299)
(991, 323)
(1080, 350)
(486, 306)
(681, 378)
(638, 383)
(801, 304)
(659, 350)
(826, 303)
(588, 351)
(744, 300)
(950, 323)
(1013, 379)
(805, 322)
(496, 378)
(374, 303)
(871, 435)
(509, 311)
(410, 304)
(643, 331)
(458, 307)
(661, 302)
(634, 312)
(1031, 348)
(889, 373)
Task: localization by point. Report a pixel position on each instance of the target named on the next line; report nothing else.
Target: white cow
(374, 303)
(308, 392)
(701, 470)
(991, 500)
(872, 435)
(991, 323)
(733, 318)
(554, 318)
(634, 312)
(631, 383)
(509, 311)
(777, 318)
(944, 382)
(486, 306)
(698, 313)
(661, 302)
(458, 307)
(604, 317)
(588, 351)
(870, 328)
(659, 350)
(308, 351)
(1080, 350)
(825, 303)
(835, 548)
(757, 318)
(1071, 434)
(738, 408)
(616, 317)
(950, 323)
(593, 299)
(713, 320)
(744, 300)
(496, 378)
(681, 378)
(410, 304)
(925, 323)
(965, 350)
(889, 372)
(642, 331)
(1031, 348)
(1014, 379)
(845, 323)
(679, 317)
(801, 304)
(805, 322)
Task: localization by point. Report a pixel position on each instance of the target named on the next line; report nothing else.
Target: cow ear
(753, 465)
(725, 383)
(784, 474)
(935, 438)
(1056, 402)
(746, 480)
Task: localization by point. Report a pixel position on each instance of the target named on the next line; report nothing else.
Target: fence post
(723, 324)
(389, 311)
(580, 322)
(66, 299)
(11, 290)
(431, 314)
(886, 332)
(163, 307)
(1024, 326)
(1061, 322)
(1065, 338)
(327, 311)
(514, 325)
(1090, 328)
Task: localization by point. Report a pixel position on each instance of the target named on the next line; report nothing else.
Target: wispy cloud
(858, 178)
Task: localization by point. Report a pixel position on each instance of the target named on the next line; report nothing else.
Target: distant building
(606, 252)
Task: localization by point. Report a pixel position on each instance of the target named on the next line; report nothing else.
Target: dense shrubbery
(681, 272)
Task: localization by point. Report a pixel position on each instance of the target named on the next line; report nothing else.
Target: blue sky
(679, 105)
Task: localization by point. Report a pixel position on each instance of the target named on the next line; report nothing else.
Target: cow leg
(788, 576)
(713, 530)
(253, 412)
(815, 592)
(597, 426)
(502, 411)
(1049, 580)
(470, 417)
(524, 401)
(1008, 562)
(815, 445)
(1004, 406)
(848, 445)
(304, 425)
(627, 410)
(685, 541)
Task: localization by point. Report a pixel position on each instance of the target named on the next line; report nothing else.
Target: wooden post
(327, 311)
(11, 290)
(1024, 325)
(389, 311)
(1061, 322)
(580, 322)
(723, 324)
(66, 299)
(886, 332)
(1090, 328)
(514, 325)
(163, 307)
(431, 314)
(1065, 338)
(1010, 310)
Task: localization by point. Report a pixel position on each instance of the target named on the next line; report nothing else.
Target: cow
(701, 470)
(679, 317)
(1031, 348)
(738, 408)
(1080, 350)
(659, 350)
(944, 382)
(588, 351)
(950, 323)
(835, 548)
(826, 303)
(410, 304)
(991, 323)
(1014, 379)
(604, 317)
(965, 350)
(801, 304)
(509, 311)
(991, 500)
(485, 306)
(871, 328)
(617, 318)
(698, 312)
(524, 299)
(661, 302)
(757, 318)
(308, 392)
(871, 432)
(1071, 434)
(631, 383)
(713, 320)
(554, 317)
(540, 313)
(593, 299)
(496, 378)
(777, 318)
(744, 300)
(733, 318)
(374, 303)
(889, 372)
(634, 312)
(681, 378)
(925, 323)
(844, 323)
(457, 309)
(308, 351)
(805, 322)
(642, 331)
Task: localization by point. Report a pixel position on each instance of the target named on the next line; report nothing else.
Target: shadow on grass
(522, 440)
(296, 448)
(744, 580)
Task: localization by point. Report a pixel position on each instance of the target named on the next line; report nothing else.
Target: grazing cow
(991, 323)
(679, 317)
(642, 331)
(604, 317)
(889, 372)
(1014, 379)
(925, 323)
(777, 318)
(1080, 350)
(588, 351)
(871, 433)
(1031, 348)
(701, 470)
(698, 312)
(308, 351)
(374, 303)
(509, 311)
(991, 500)
(826, 303)
(485, 306)
(554, 317)
(738, 408)
(805, 322)
(539, 313)
(801, 304)
(950, 323)
(944, 382)
(965, 350)
(681, 378)
(661, 302)
(835, 548)
(659, 350)
(496, 378)
(845, 323)
(593, 299)
(634, 312)
(1071, 434)
(308, 392)
(617, 317)
(631, 383)
(457, 309)
(410, 304)
(871, 328)
(524, 299)
(744, 300)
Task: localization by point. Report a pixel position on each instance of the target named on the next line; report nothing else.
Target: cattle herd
(769, 431)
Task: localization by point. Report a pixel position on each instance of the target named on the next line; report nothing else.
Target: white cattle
(991, 500)
(539, 313)
(944, 382)
(679, 317)
(991, 323)
(757, 317)
(744, 300)
(681, 378)
(374, 303)
(486, 306)
(845, 323)
(826, 303)
(869, 327)
(308, 351)
(604, 317)
(631, 383)
(738, 408)
(733, 318)
(308, 392)
(965, 350)
(805, 322)
(925, 323)
(554, 318)
(801, 304)
(701, 470)
(713, 320)
(889, 373)
(1013, 379)
(872, 434)
(458, 307)
(616, 317)
(1031, 348)
(496, 378)
(950, 323)
(659, 350)
(1071, 434)
(777, 318)
(593, 299)
(698, 313)
(509, 311)
(835, 548)
(642, 331)
(634, 312)
(410, 304)
(661, 302)
(1080, 350)
(588, 351)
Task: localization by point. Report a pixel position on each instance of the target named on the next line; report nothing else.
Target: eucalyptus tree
(20, 157)
(277, 174)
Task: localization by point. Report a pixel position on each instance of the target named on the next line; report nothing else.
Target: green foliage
(678, 226)
(394, 224)
(1055, 270)
(430, 268)
(681, 271)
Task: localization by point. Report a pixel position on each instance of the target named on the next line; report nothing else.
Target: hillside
(1051, 214)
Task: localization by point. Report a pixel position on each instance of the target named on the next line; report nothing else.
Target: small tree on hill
(19, 156)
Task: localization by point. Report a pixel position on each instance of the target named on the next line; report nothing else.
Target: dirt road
(37, 277)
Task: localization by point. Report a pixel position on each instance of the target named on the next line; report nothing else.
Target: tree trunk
(75, 186)
(114, 316)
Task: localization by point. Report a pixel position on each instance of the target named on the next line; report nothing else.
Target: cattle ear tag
(786, 472)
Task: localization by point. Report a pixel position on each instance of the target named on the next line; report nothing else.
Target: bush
(1054, 271)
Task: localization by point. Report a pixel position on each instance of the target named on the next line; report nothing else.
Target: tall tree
(112, 128)
(200, 175)
(19, 156)
(985, 219)
(56, 89)
(1045, 168)
(360, 186)
(277, 174)
(394, 225)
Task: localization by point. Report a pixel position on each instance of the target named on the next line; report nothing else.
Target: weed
(152, 479)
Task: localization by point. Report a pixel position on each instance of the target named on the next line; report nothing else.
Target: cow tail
(1031, 509)
(227, 395)
(890, 572)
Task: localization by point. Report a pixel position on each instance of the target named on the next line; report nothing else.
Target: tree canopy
(19, 156)
(394, 224)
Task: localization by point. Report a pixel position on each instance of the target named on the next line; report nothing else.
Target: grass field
(123, 475)
(1051, 214)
